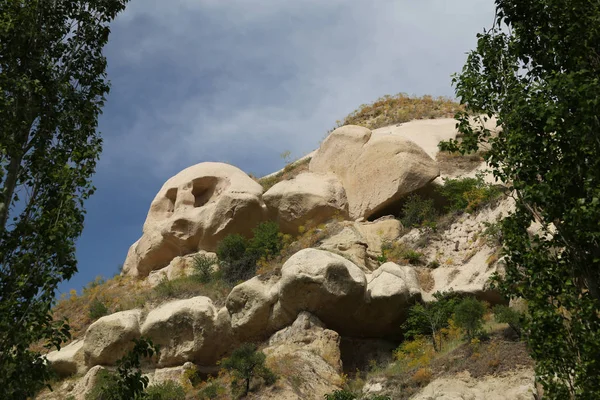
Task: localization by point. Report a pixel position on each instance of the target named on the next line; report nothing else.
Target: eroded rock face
(250, 305)
(180, 266)
(188, 330)
(110, 337)
(307, 354)
(306, 198)
(195, 210)
(322, 283)
(68, 360)
(375, 172)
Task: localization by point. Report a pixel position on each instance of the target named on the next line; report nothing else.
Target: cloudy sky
(241, 81)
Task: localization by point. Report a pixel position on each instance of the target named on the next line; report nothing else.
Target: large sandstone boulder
(110, 337)
(194, 210)
(307, 198)
(325, 284)
(188, 330)
(250, 305)
(376, 172)
(307, 357)
(68, 360)
(391, 290)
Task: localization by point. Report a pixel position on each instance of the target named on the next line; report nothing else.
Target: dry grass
(290, 171)
(425, 279)
(453, 163)
(389, 110)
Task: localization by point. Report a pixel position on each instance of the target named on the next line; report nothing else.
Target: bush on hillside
(468, 316)
(507, 315)
(238, 256)
(97, 309)
(418, 212)
(168, 390)
(245, 364)
(468, 194)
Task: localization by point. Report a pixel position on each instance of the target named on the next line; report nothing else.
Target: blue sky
(241, 81)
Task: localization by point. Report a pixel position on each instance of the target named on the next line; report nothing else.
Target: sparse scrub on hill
(289, 171)
(389, 110)
(468, 194)
(400, 253)
(168, 390)
(513, 318)
(238, 256)
(418, 212)
(97, 309)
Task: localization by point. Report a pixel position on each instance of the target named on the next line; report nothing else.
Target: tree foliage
(429, 319)
(537, 69)
(245, 364)
(52, 88)
(128, 383)
(468, 315)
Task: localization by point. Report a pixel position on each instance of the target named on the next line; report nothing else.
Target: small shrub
(235, 262)
(203, 267)
(97, 309)
(434, 264)
(492, 234)
(507, 315)
(418, 212)
(415, 353)
(245, 364)
(168, 390)
(128, 383)
(400, 254)
(468, 194)
(422, 377)
(211, 389)
(267, 241)
(468, 315)
(341, 395)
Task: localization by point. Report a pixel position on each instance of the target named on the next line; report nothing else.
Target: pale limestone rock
(180, 266)
(361, 242)
(110, 337)
(195, 210)
(514, 385)
(250, 305)
(324, 284)
(175, 374)
(68, 360)
(306, 199)
(307, 356)
(187, 330)
(375, 172)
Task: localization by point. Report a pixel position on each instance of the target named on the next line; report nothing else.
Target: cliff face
(350, 269)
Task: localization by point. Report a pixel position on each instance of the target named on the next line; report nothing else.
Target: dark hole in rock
(171, 199)
(362, 354)
(203, 189)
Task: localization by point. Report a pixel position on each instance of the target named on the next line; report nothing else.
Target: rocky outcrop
(188, 330)
(361, 242)
(195, 210)
(68, 360)
(110, 337)
(515, 385)
(306, 199)
(181, 266)
(375, 172)
(250, 305)
(322, 283)
(306, 355)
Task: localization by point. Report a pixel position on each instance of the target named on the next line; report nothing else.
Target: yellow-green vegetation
(418, 360)
(389, 110)
(289, 171)
(400, 253)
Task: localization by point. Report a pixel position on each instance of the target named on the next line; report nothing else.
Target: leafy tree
(507, 315)
(53, 86)
(468, 315)
(128, 383)
(536, 69)
(340, 395)
(418, 211)
(245, 364)
(428, 319)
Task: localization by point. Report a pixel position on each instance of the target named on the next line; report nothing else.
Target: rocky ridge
(340, 288)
